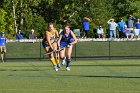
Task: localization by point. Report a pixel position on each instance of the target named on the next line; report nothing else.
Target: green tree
(35, 14)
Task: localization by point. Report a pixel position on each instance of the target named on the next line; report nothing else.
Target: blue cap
(2, 32)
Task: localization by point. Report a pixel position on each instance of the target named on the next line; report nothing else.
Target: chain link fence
(82, 50)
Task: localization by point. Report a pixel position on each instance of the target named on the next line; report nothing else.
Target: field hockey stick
(49, 52)
(54, 51)
(58, 50)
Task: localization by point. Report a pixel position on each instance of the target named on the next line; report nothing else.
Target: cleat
(68, 68)
(55, 68)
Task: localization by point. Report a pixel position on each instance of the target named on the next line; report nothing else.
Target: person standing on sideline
(137, 28)
(121, 27)
(112, 28)
(32, 35)
(19, 35)
(86, 26)
(100, 32)
(50, 45)
(2, 45)
(66, 40)
(130, 23)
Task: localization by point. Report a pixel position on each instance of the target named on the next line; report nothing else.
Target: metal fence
(82, 50)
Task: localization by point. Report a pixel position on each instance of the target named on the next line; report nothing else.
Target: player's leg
(62, 56)
(56, 55)
(2, 53)
(51, 56)
(53, 60)
(68, 57)
(62, 52)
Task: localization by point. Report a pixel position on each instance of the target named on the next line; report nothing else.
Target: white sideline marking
(117, 91)
(41, 90)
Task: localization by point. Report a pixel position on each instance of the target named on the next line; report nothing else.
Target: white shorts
(129, 28)
(136, 31)
(100, 32)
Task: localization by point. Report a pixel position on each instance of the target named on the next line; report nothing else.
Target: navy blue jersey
(2, 40)
(65, 40)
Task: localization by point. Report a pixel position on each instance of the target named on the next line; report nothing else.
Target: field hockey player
(66, 40)
(50, 45)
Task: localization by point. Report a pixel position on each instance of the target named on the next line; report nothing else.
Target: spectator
(2, 45)
(130, 23)
(137, 28)
(19, 35)
(86, 27)
(121, 27)
(128, 34)
(32, 35)
(100, 32)
(112, 28)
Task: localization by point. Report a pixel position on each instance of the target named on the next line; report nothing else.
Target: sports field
(94, 76)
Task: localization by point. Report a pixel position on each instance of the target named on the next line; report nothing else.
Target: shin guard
(68, 62)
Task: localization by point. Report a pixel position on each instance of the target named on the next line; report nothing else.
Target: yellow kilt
(3, 49)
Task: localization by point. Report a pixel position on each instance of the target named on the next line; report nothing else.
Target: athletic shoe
(68, 68)
(55, 68)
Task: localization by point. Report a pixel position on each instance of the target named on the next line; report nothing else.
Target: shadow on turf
(113, 65)
(33, 69)
(69, 76)
(48, 75)
(100, 76)
(25, 66)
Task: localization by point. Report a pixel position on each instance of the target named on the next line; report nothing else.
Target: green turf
(96, 76)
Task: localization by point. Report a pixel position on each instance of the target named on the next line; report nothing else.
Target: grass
(95, 76)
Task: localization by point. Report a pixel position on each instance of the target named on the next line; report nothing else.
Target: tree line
(36, 14)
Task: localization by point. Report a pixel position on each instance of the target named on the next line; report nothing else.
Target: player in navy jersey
(66, 40)
(2, 45)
